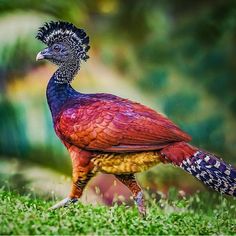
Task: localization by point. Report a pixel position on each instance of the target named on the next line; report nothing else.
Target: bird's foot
(64, 203)
(140, 203)
(142, 211)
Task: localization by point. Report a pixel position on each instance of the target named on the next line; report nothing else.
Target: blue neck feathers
(59, 90)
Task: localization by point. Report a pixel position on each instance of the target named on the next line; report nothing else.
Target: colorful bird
(109, 134)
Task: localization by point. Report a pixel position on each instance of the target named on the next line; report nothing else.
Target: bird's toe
(64, 203)
(142, 211)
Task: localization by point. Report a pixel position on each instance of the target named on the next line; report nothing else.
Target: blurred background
(178, 57)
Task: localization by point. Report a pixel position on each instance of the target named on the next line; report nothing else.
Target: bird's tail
(205, 166)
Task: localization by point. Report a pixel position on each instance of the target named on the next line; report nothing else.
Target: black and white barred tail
(211, 171)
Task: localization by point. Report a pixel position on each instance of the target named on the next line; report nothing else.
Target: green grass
(200, 214)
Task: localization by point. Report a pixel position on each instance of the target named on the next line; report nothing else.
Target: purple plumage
(211, 171)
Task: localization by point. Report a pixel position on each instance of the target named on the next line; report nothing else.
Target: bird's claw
(140, 203)
(64, 203)
(142, 211)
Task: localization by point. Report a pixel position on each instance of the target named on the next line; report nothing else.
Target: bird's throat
(66, 72)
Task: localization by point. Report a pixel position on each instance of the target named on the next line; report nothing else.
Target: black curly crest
(56, 32)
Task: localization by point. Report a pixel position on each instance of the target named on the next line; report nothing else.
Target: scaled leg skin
(81, 173)
(130, 181)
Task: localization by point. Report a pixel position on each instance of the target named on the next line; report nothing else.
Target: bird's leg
(81, 174)
(130, 181)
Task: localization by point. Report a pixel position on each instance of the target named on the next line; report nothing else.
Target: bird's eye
(56, 48)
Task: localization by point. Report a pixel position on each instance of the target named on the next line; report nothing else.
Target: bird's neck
(66, 72)
(59, 90)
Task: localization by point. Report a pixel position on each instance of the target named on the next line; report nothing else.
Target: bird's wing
(116, 125)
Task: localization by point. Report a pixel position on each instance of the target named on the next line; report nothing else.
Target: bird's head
(66, 43)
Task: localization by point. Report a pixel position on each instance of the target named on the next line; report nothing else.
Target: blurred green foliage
(154, 80)
(180, 105)
(201, 214)
(16, 60)
(11, 144)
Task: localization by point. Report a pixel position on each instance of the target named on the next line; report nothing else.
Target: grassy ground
(200, 214)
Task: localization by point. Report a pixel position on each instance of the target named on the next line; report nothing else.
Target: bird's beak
(39, 56)
(44, 54)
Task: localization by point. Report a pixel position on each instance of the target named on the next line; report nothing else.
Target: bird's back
(108, 123)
